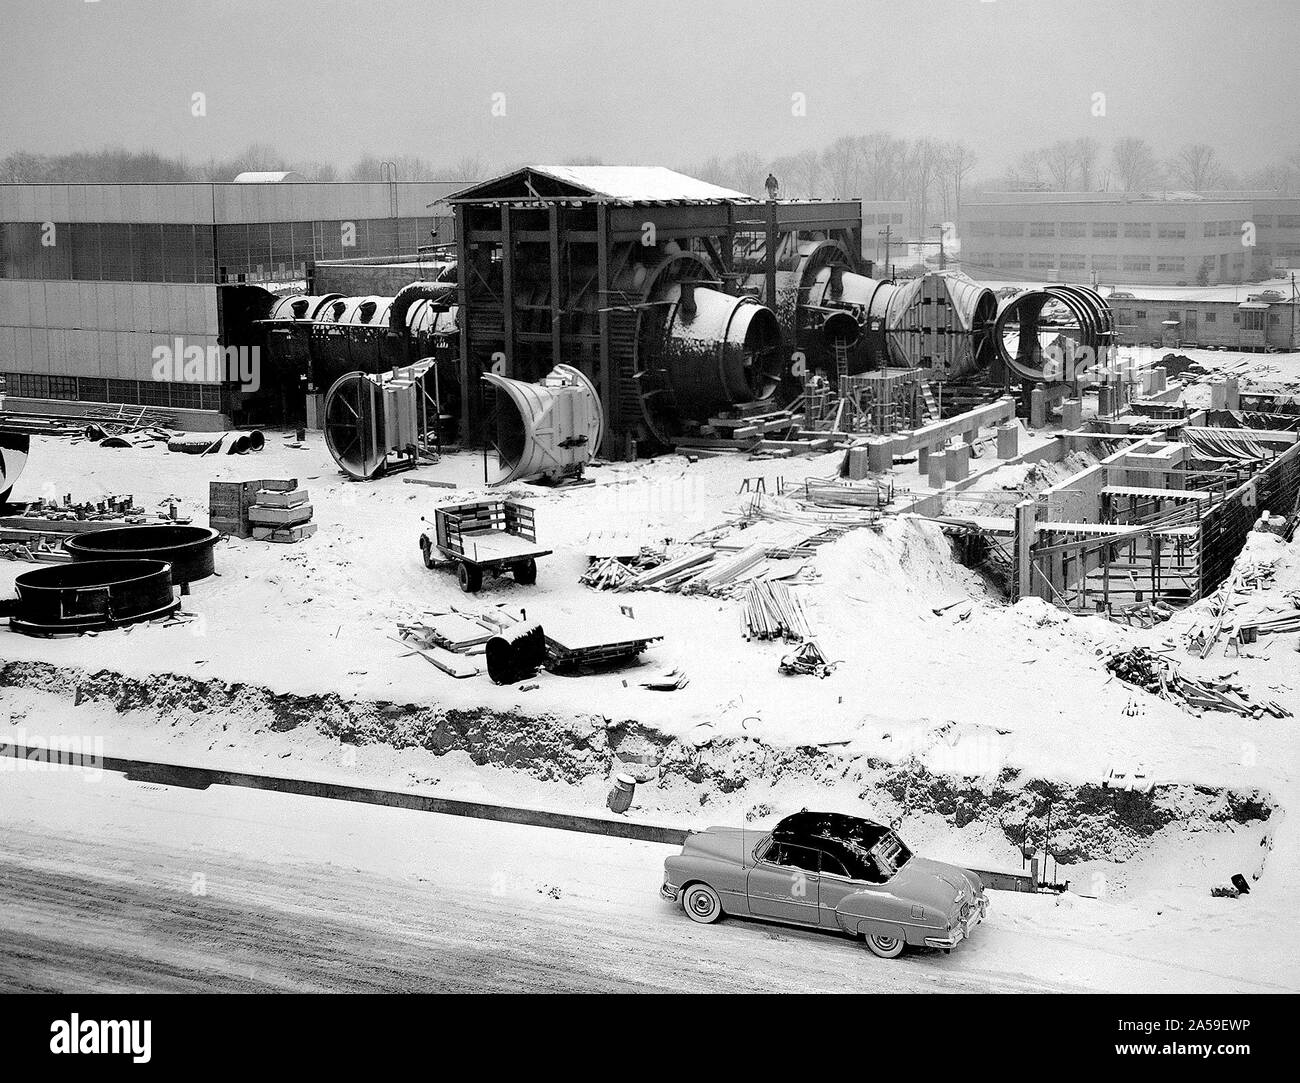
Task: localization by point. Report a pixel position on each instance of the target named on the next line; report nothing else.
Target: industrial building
(1122, 238)
(94, 278)
(1233, 318)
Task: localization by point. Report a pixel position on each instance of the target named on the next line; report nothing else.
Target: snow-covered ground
(972, 691)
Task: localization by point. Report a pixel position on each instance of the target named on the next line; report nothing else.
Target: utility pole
(942, 260)
(885, 233)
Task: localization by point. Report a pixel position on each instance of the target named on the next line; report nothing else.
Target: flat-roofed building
(94, 278)
(1109, 238)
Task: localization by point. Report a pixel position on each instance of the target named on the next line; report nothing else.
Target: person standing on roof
(772, 186)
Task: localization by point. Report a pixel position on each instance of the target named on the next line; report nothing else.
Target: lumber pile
(280, 512)
(1161, 676)
(772, 611)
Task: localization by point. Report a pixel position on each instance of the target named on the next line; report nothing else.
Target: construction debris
(1160, 675)
(771, 611)
(808, 658)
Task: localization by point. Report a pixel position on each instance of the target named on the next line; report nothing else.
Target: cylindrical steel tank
(188, 549)
(81, 597)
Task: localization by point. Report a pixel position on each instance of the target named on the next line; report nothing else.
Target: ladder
(931, 408)
(841, 360)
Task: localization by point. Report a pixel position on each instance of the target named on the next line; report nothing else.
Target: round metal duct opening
(551, 428)
(90, 596)
(841, 328)
(188, 549)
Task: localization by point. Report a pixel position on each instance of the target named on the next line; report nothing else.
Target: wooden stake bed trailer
(484, 536)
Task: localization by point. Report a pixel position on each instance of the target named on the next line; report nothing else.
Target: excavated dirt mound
(1090, 822)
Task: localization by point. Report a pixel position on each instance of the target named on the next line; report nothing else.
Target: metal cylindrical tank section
(89, 596)
(719, 350)
(369, 415)
(14, 450)
(1092, 332)
(188, 549)
(547, 429)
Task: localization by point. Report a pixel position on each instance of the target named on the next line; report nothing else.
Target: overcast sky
(665, 81)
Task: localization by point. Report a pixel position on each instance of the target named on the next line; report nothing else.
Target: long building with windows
(95, 277)
(1109, 238)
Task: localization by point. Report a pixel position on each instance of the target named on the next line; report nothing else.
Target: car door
(834, 884)
(783, 884)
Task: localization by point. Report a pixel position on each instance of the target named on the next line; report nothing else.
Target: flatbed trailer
(495, 536)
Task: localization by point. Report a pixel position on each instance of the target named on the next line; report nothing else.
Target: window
(1253, 321)
(1039, 262)
(1042, 229)
(1287, 221)
(1211, 229)
(1070, 262)
(1141, 313)
(1074, 229)
(833, 865)
(1105, 263)
(1124, 315)
(1171, 230)
(795, 857)
(1210, 317)
(63, 387)
(1104, 229)
(1137, 229)
(1228, 228)
(1137, 263)
(1171, 263)
(1011, 229)
(1011, 260)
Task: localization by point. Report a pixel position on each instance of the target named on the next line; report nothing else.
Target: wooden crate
(229, 501)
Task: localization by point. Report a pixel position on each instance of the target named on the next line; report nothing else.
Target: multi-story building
(95, 278)
(1109, 238)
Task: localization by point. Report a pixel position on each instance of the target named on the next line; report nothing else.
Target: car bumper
(961, 932)
(669, 892)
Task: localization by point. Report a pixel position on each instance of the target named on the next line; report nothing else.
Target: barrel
(620, 796)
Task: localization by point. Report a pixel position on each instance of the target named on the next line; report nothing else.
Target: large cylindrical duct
(375, 422)
(1083, 317)
(549, 429)
(14, 449)
(720, 350)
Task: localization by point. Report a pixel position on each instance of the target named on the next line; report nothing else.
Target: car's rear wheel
(887, 947)
(702, 904)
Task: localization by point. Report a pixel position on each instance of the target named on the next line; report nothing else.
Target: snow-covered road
(111, 885)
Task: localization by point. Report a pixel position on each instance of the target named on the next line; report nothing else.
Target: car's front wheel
(887, 947)
(702, 904)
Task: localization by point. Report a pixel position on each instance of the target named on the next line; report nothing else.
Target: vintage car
(827, 871)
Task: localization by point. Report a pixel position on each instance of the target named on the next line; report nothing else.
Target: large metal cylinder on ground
(720, 350)
(370, 419)
(82, 597)
(188, 549)
(516, 654)
(14, 449)
(209, 443)
(548, 429)
(1086, 325)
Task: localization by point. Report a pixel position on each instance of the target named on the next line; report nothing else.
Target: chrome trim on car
(669, 892)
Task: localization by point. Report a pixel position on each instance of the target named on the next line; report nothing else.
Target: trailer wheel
(426, 550)
(526, 571)
(469, 577)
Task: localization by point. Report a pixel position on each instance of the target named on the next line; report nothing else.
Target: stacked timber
(281, 515)
(772, 611)
(1160, 676)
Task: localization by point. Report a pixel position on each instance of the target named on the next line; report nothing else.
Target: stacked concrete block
(1232, 393)
(282, 515)
(1037, 408)
(1008, 440)
(938, 469)
(957, 463)
(880, 455)
(1218, 395)
(1071, 414)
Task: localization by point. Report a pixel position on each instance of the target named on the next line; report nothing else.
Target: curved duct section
(696, 349)
(14, 449)
(441, 294)
(942, 321)
(549, 429)
(1078, 314)
(375, 423)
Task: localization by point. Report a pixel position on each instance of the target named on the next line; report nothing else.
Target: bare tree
(843, 164)
(1086, 150)
(1028, 171)
(883, 157)
(469, 169)
(1060, 161)
(1135, 164)
(808, 172)
(1197, 167)
(748, 171)
(958, 161)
